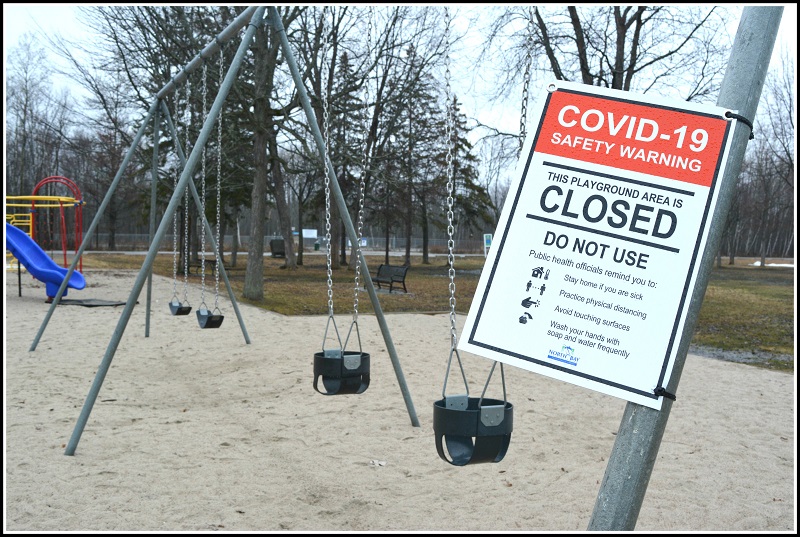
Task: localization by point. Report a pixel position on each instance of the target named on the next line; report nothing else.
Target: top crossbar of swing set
(208, 52)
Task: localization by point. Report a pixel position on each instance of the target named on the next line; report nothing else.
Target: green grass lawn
(746, 308)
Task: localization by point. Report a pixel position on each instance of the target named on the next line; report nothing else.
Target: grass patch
(746, 308)
(304, 291)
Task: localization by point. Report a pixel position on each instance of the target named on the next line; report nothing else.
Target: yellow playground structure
(32, 214)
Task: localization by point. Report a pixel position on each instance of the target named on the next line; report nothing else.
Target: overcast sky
(60, 19)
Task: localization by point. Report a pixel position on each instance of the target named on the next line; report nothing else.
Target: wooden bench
(211, 265)
(391, 275)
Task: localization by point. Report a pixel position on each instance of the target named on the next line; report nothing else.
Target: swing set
(177, 306)
(206, 318)
(251, 18)
(467, 429)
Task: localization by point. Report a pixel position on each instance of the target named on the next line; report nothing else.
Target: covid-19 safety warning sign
(596, 253)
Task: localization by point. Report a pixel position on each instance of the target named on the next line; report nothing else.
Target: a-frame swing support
(255, 16)
(188, 171)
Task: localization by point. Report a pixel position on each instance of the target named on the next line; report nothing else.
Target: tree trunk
(265, 53)
(279, 188)
(254, 276)
(235, 237)
(342, 244)
(111, 214)
(386, 234)
(425, 231)
(223, 227)
(336, 233)
(353, 247)
(195, 234)
(301, 247)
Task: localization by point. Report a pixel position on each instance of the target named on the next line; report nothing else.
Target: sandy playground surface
(196, 430)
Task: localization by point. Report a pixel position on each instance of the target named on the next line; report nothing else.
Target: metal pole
(210, 232)
(639, 438)
(276, 22)
(211, 49)
(162, 228)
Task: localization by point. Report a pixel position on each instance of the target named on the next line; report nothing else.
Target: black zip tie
(743, 120)
(661, 391)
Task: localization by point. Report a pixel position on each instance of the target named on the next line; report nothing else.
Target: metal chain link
(175, 242)
(203, 200)
(449, 128)
(186, 124)
(364, 169)
(449, 164)
(218, 252)
(327, 164)
(175, 216)
(525, 84)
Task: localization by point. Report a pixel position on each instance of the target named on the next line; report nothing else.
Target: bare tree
(774, 156)
(673, 51)
(27, 98)
(761, 220)
(495, 152)
(267, 110)
(677, 51)
(780, 116)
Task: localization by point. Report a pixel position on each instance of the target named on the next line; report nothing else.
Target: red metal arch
(76, 194)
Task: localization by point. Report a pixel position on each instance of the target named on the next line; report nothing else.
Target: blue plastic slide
(38, 263)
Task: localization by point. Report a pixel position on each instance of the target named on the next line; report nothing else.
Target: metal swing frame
(252, 17)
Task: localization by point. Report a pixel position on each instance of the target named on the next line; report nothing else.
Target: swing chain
(364, 169)
(187, 122)
(327, 163)
(218, 250)
(449, 164)
(179, 117)
(449, 121)
(525, 83)
(203, 201)
(175, 227)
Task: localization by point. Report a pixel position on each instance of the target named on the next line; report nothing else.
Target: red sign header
(670, 143)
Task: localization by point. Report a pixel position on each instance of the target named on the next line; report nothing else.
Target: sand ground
(196, 430)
